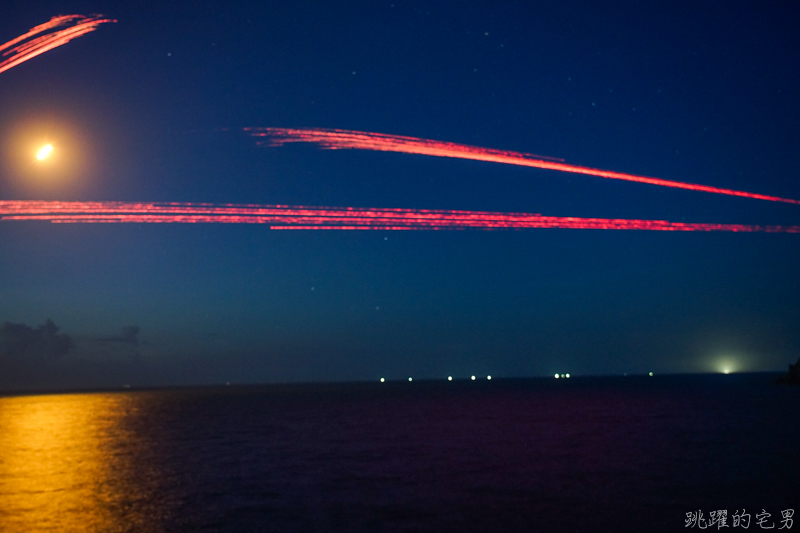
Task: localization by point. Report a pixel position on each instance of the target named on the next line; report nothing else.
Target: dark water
(605, 454)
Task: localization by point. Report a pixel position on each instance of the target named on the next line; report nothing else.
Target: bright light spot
(382, 380)
(473, 378)
(651, 374)
(556, 376)
(728, 365)
(44, 152)
(409, 379)
(449, 378)
(567, 375)
(488, 377)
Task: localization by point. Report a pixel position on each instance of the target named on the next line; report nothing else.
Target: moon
(44, 152)
(51, 154)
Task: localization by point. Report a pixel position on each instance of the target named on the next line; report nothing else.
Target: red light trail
(360, 140)
(282, 217)
(62, 29)
(26, 47)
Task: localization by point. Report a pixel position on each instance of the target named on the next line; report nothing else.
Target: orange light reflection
(58, 471)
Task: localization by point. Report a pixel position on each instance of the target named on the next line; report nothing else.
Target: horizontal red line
(341, 218)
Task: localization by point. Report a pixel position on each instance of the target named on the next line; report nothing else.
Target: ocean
(582, 454)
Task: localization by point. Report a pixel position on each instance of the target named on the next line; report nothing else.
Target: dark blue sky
(704, 93)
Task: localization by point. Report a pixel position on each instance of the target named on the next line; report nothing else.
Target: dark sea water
(602, 454)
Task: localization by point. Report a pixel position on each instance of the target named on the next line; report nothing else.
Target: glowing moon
(44, 152)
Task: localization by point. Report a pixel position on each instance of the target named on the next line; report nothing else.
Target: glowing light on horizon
(282, 217)
(28, 46)
(729, 364)
(361, 140)
(44, 152)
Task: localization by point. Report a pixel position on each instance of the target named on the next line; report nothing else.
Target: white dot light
(556, 376)
(382, 380)
(409, 379)
(489, 377)
(473, 378)
(567, 375)
(651, 374)
(449, 378)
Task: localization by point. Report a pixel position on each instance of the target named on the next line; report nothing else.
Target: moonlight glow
(44, 152)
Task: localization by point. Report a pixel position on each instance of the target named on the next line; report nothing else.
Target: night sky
(151, 108)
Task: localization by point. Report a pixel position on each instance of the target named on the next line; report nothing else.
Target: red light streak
(360, 140)
(25, 47)
(282, 217)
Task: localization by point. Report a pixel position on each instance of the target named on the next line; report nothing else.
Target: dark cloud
(128, 335)
(43, 358)
(19, 341)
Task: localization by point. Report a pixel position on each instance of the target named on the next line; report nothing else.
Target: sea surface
(510, 455)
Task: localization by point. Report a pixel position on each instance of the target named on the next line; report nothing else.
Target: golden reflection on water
(60, 466)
